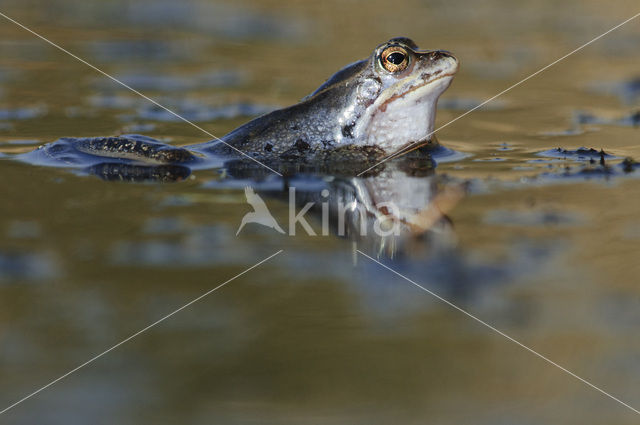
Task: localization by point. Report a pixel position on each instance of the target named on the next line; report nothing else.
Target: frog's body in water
(370, 109)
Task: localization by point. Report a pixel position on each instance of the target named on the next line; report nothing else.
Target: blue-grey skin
(337, 117)
(368, 110)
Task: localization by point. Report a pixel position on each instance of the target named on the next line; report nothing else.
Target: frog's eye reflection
(394, 59)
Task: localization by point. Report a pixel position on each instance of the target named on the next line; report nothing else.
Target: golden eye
(394, 59)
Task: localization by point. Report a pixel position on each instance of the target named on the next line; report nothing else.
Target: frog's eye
(394, 59)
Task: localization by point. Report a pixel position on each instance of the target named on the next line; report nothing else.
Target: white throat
(391, 123)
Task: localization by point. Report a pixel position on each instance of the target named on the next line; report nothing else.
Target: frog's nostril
(438, 54)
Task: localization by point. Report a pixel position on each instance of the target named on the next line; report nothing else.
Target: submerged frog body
(370, 109)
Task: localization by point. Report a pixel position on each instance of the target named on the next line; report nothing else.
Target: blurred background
(544, 247)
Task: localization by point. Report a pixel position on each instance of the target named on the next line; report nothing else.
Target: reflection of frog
(367, 110)
(395, 209)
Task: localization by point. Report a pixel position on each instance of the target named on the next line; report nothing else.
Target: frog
(370, 109)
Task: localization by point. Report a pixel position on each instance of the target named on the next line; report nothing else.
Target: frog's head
(389, 100)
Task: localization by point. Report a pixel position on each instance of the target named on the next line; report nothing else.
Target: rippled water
(540, 239)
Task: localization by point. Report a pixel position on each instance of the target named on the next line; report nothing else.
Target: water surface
(544, 244)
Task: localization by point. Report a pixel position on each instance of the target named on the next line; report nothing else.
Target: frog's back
(306, 129)
(87, 151)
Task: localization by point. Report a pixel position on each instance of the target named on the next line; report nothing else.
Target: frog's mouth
(385, 104)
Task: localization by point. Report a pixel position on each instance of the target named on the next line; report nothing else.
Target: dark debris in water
(580, 154)
(592, 164)
(629, 165)
(582, 172)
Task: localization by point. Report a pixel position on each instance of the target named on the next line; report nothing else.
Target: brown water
(547, 254)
